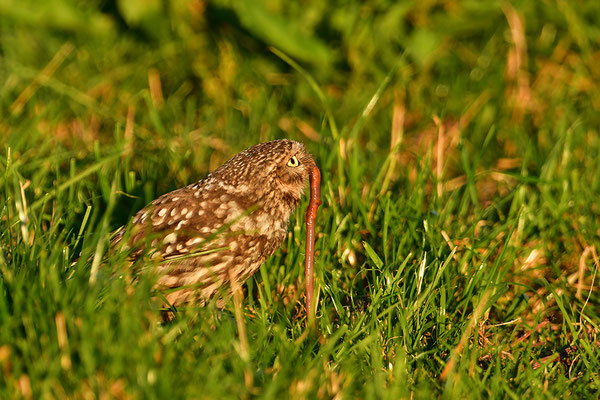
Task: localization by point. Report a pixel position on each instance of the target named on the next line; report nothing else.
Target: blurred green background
(458, 141)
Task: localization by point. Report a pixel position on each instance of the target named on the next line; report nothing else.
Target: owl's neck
(279, 206)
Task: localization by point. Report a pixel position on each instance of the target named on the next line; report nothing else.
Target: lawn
(458, 242)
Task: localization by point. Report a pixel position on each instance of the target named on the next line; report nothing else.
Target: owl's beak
(311, 217)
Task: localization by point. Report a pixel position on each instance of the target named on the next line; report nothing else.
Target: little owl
(224, 226)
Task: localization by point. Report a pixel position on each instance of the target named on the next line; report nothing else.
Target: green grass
(459, 235)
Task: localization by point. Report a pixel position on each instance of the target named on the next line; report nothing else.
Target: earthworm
(311, 216)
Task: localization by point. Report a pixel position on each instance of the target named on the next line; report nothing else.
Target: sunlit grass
(458, 241)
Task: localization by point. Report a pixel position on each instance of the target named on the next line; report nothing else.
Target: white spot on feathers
(194, 241)
(158, 221)
(170, 238)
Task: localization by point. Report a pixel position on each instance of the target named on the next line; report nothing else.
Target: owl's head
(278, 168)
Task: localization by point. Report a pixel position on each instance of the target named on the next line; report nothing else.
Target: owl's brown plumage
(224, 226)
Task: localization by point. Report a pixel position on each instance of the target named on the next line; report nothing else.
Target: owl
(222, 228)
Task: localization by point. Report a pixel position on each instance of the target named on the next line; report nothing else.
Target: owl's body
(224, 226)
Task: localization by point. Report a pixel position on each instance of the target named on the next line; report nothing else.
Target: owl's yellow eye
(293, 162)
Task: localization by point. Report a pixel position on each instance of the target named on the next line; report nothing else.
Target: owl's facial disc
(293, 171)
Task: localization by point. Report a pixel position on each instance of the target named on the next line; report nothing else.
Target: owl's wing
(184, 222)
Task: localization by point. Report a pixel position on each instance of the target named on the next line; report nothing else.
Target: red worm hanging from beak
(311, 216)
